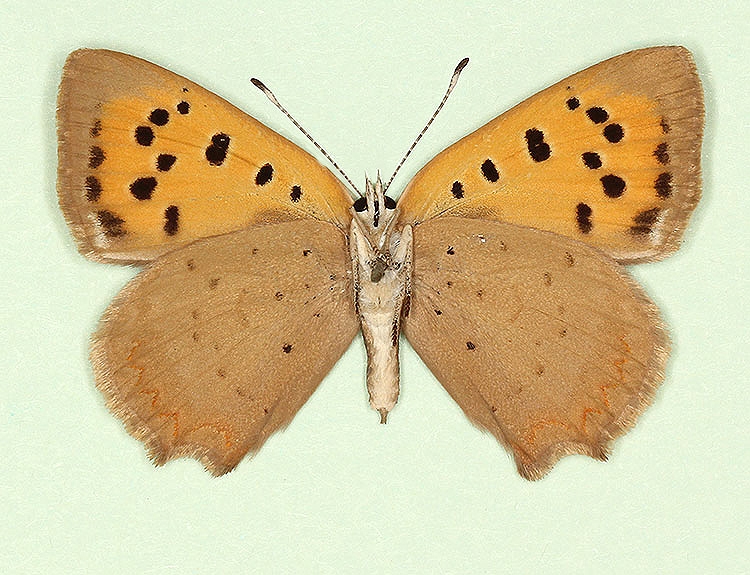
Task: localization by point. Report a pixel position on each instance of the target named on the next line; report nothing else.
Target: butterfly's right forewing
(542, 340)
(217, 345)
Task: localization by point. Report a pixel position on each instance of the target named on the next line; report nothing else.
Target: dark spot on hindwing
(470, 346)
(613, 133)
(573, 103)
(144, 135)
(287, 348)
(569, 259)
(539, 150)
(160, 117)
(489, 171)
(547, 278)
(143, 188)
(165, 162)
(111, 224)
(279, 296)
(613, 186)
(183, 107)
(450, 251)
(583, 218)
(216, 152)
(661, 153)
(96, 157)
(664, 126)
(93, 188)
(457, 190)
(171, 220)
(663, 185)
(264, 175)
(597, 115)
(591, 160)
(438, 312)
(295, 194)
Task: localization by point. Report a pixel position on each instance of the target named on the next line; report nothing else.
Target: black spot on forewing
(143, 188)
(183, 107)
(295, 194)
(613, 186)
(664, 126)
(96, 157)
(160, 117)
(216, 152)
(144, 135)
(573, 103)
(569, 259)
(171, 220)
(457, 190)
(190, 264)
(539, 150)
(644, 221)
(111, 224)
(663, 185)
(213, 282)
(96, 129)
(470, 346)
(661, 153)
(597, 115)
(583, 218)
(93, 188)
(591, 160)
(613, 133)
(489, 171)
(165, 162)
(287, 348)
(264, 175)
(450, 251)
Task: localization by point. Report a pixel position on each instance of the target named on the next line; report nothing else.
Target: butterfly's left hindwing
(217, 345)
(149, 161)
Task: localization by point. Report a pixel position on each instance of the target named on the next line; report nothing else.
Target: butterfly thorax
(381, 264)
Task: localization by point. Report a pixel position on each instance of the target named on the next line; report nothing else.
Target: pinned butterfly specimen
(501, 262)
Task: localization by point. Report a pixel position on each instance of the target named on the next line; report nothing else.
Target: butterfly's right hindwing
(542, 340)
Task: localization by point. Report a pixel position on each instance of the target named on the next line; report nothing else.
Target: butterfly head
(375, 211)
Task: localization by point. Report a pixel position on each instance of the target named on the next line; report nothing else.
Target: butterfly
(501, 262)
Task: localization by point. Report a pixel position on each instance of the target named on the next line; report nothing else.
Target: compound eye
(360, 205)
(390, 203)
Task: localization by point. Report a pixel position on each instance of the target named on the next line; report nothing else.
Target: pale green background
(336, 492)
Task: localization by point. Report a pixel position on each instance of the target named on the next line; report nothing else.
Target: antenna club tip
(258, 84)
(462, 64)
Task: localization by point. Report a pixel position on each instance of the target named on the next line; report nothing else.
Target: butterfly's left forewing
(150, 161)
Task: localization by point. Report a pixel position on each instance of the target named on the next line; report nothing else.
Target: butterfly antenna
(454, 80)
(263, 88)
